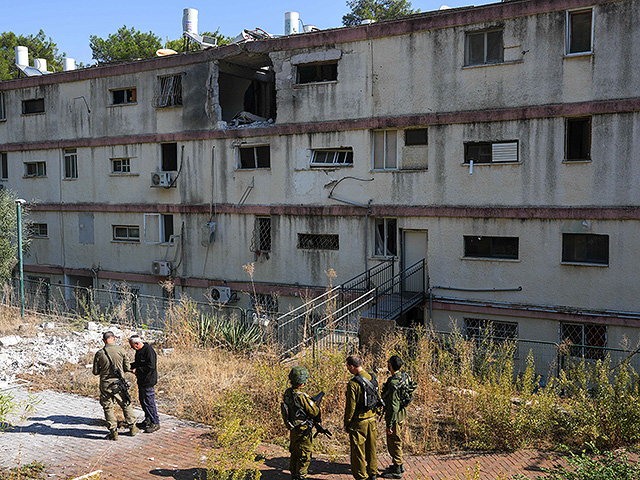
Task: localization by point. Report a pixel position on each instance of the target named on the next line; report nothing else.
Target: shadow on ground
(181, 474)
(62, 426)
(279, 467)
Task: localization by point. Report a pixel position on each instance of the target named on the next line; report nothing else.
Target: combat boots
(113, 435)
(154, 427)
(144, 424)
(394, 471)
(133, 430)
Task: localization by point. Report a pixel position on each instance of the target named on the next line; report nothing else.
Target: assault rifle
(317, 422)
(122, 386)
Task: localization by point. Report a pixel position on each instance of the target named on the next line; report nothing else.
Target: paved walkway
(65, 432)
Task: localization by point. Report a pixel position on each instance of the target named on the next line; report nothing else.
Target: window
(70, 163)
(254, 157)
(126, 233)
(386, 237)
(588, 341)
(261, 241)
(415, 137)
(3, 111)
(169, 157)
(483, 48)
(168, 91)
(491, 247)
(385, 150)
(317, 72)
(4, 166)
(33, 106)
(332, 157)
(123, 96)
(585, 248)
(311, 241)
(491, 152)
(479, 328)
(120, 165)
(35, 169)
(167, 228)
(578, 139)
(264, 303)
(39, 230)
(579, 31)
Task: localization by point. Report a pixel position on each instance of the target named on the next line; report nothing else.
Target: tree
(377, 10)
(40, 46)
(179, 44)
(8, 233)
(125, 44)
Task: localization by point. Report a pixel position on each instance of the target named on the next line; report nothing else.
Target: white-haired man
(145, 368)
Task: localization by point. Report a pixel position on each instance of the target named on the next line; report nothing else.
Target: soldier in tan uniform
(394, 415)
(105, 362)
(360, 424)
(302, 412)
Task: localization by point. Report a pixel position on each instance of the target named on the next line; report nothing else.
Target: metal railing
(400, 293)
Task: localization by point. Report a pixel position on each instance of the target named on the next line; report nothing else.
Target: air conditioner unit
(160, 179)
(220, 294)
(161, 268)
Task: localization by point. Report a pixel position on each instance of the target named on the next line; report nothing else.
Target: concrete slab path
(65, 432)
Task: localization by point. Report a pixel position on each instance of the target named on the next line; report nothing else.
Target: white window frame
(128, 238)
(122, 161)
(338, 157)
(568, 32)
(384, 240)
(40, 167)
(386, 133)
(70, 167)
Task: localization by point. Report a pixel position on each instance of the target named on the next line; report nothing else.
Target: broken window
(578, 139)
(264, 303)
(261, 241)
(332, 156)
(168, 91)
(33, 106)
(166, 229)
(579, 31)
(123, 96)
(4, 166)
(585, 248)
(415, 137)
(479, 328)
(586, 340)
(491, 152)
(386, 237)
(126, 233)
(3, 112)
(491, 247)
(484, 48)
(313, 241)
(38, 230)
(317, 72)
(35, 169)
(385, 150)
(169, 157)
(254, 156)
(120, 165)
(70, 163)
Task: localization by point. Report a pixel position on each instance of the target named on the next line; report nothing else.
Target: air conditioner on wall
(220, 294)
(160, 179)
(161, 268)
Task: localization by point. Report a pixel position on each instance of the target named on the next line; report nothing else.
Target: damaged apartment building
(498, 143)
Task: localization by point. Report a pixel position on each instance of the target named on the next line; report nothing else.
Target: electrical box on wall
(161, 268)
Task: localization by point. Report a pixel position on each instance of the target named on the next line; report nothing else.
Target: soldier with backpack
(299, 413)
(397, 393)
(360, 420)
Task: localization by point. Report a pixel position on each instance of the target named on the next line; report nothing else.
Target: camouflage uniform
(394, 418)
(361, 426)
(108, 381)
(301, 441)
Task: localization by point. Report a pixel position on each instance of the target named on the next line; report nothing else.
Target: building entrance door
(414, 249)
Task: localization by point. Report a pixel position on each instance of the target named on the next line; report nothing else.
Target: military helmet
(298, 375)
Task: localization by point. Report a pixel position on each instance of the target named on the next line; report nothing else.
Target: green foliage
(30, 471)
(7, 407)
(210, 330)
(8, 235)
(125, 44)
(39, 45)
(377, 10)
(179, 45)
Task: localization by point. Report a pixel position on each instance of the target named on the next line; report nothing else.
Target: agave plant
(237, 336)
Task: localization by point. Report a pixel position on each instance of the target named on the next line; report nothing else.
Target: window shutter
(504, 152)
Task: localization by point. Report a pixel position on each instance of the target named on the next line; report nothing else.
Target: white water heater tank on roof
(22, 56)
(291, 23)
(68, 64)
(190, 20)
(40, 64)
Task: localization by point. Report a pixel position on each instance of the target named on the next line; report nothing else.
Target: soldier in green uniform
(302, 411)
(105, 361)
(360, 424)
(394, 415)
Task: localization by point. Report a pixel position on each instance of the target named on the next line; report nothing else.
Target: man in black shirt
(145, 368)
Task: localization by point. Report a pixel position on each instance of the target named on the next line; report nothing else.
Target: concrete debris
(251, 35)
(92, 326)
(244, 118)
(10, 341)
(47, 325)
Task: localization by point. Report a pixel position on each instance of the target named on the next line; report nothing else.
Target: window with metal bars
(586, 340)
(39, 230)
(313, 241)
(261, 238)
(264, 303)
(120, 165)
(168, 91)
(476, 328)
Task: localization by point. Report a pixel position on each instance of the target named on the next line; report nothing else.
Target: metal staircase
(377, 293)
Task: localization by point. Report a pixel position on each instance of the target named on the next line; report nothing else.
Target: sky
(70, 23)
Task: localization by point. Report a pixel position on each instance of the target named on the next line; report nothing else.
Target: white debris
(9, 340)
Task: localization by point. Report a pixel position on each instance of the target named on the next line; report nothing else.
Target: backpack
(405, 388)
(292, 413)
(372, 399)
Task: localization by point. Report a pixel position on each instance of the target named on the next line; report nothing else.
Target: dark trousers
(147, 397)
